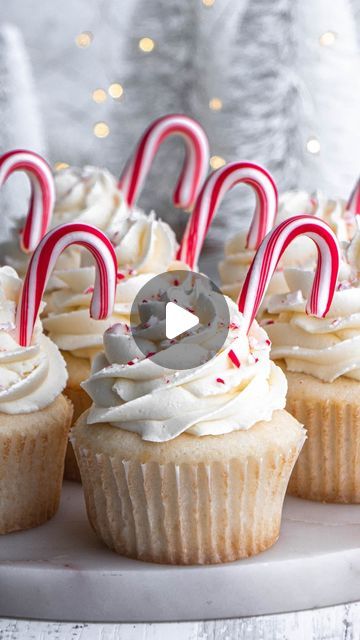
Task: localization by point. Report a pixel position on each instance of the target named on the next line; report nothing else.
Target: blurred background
(274, 81)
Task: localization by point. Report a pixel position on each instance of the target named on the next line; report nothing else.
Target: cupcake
(34, 418)
(186, 466)
(144, 247)
(300, 254)
(321, 360)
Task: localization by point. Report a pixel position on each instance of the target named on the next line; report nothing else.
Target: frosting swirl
(145, 246)
(326, 348)
(88, 195)
(300, 253)
(133, 392)
(30, 377)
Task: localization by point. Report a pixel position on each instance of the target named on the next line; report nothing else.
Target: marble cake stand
(60, 571)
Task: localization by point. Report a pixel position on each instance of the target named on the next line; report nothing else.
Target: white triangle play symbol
(178, 320)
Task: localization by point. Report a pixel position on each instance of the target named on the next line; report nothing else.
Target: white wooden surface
(333, 623)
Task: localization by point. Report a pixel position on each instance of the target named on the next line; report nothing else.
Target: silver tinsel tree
(20, 124)
(259, 74)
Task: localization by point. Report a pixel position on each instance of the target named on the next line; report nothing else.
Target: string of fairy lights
(147, 45)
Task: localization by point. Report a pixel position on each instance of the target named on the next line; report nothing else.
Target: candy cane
(269, 254)
(214, 190)
(42, 193)
(195, 166)
(353, 204)
(43, 261)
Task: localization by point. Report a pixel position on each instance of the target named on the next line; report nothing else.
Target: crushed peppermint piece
(220, 380)
(234, 359)
(89, 290)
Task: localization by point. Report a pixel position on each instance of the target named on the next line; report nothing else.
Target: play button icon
(179, 319)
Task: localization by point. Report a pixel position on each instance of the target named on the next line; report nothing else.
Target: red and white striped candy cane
(214, 190)
(43, 261)
(269, 254)
(353, 204)
(42, 192)
(194, 169)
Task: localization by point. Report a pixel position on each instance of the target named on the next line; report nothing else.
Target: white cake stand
(60, 571)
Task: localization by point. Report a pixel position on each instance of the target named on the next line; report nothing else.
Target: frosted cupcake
(321, 359)
(34, 418)
(144, 247)
(186, 467)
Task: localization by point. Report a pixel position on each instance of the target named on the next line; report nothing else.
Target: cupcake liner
(32, 451)
(188, 513)
(328, 468)
(80, 401)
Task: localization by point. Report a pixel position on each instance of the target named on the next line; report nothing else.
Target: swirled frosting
(30, 377)
(88, 195)
(301, 252)
(326, 348)
(133, 392)
(145, 246)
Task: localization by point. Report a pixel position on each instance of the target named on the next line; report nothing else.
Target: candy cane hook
(269, 254)
(194, 169)
(214, 190)
(42, 193)
(42, 264)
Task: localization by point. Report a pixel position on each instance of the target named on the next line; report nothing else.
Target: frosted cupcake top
(300, 253)
(144, 246)
(326, 348)
(30, 377)
(133, 392)
(89, 195)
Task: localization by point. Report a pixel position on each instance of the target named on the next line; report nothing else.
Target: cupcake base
(78, 371)
(328, 468)
(32, 451)
(190, 500)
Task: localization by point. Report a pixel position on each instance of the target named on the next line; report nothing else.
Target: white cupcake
(186, 467)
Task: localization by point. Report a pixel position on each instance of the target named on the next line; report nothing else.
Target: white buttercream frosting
(133, 392)
(30, 377)
(89, 195)
(326, 348)
(301, 252)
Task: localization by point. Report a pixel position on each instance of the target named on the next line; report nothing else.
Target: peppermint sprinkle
(220, 380)
(234, 359)
(89, 290)
(120, 276)
(268, 342)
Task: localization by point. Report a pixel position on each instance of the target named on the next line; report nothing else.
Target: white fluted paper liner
(328, 468)
(32, 452)
(187, 513)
